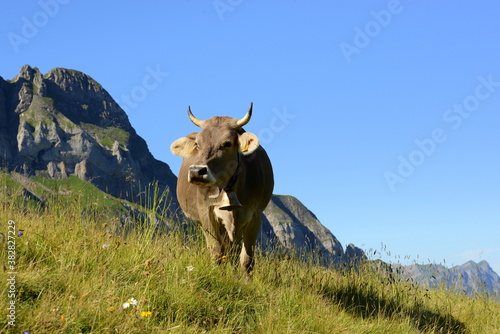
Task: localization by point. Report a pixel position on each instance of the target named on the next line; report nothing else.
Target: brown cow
(225, 182)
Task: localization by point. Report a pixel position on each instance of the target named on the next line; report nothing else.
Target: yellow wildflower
(146, 314)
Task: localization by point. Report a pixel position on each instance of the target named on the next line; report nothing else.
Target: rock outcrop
(287, 224)
(355, 254)
(64, 123)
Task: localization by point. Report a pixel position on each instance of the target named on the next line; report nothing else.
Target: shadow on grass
(366, 304)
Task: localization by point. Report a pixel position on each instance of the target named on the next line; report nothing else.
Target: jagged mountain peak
(75, 82)
(75, 94)
(28, 73)
(57, 74)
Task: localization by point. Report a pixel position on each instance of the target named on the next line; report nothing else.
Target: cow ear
(184, 147)
(248, 142)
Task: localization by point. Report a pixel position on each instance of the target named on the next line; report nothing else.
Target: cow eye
(196, 145)
(228, 144)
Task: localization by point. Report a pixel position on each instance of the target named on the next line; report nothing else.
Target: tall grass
(75, 274)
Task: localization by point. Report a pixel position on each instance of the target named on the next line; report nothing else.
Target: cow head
(214, 151)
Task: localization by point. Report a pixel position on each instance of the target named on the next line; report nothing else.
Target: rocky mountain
(288, 224)
(64, 123)
(471, 278)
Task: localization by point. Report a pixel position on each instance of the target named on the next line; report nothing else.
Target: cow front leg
(249, 239)
(217, 239)
(213, 239)
(214, 245)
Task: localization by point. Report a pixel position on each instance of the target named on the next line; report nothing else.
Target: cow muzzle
(200, 175)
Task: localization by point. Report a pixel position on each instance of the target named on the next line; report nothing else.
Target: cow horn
(193, 119)
(246, 119)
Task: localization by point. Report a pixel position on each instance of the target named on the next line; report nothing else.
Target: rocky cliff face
(287, 224)
(64, 123)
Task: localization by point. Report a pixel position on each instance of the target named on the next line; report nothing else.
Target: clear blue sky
(382, 117)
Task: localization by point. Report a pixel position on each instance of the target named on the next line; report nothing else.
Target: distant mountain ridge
(470, 277)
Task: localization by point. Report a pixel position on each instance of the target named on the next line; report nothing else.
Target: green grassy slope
(74, 274)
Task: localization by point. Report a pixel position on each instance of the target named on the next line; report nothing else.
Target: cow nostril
(203, 171)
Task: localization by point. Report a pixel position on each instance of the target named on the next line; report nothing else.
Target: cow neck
(232, 181)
